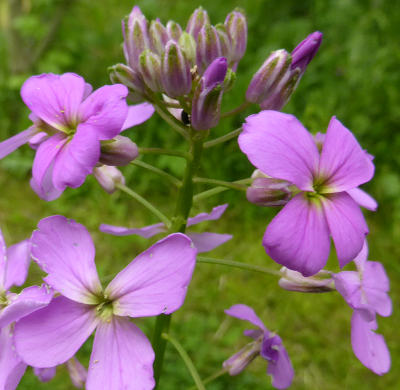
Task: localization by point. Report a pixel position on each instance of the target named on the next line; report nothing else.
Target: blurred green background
(354, 76)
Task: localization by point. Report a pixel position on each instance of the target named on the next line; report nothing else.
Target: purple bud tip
(216, 72)
(305, 51)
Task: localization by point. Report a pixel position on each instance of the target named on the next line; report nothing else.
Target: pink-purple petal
(12, 368)
(77, 372)
(281, 369)
(346, 225)
(52, 335)
(363, 199)
(105, 110)
(46, 190)
(156, 281)
(55, 99)
(246, 313)
(26, 302)
(369, 347)
(13, 143)
(122, 358)
(298, 237)
(146, 232)
(76, 159)
(205, 242)
(343, 163)
(362, 257)
(64, 249)
(138, 114)
(45, 374)
(280, 146)
(213, 215)
(18, 260)
(3, 261)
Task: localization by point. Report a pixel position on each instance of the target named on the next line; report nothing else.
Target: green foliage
(354, 76)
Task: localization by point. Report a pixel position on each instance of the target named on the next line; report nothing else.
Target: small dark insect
(185, 118)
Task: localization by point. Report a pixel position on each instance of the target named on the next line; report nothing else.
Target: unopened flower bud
(305, 51)
(269, 192)
(206, 105)
(295, 281)
(208, 47)
(118, 151)
(175, 72)
(158, 36)
(236, 27)
(77, 372)
(196, 21)
(272, 71)
(174, 30)
(136, 38)
(188, 46)
(45, 374)
(240, 360)
(150, 70)
(108, 177)
(123, 74)
(225, 42)
(229, 81)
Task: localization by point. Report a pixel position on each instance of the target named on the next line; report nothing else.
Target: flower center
(105, 309)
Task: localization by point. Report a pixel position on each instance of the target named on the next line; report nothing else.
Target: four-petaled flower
(328, 200)
(266, 344)
(366, 291)
(155, 282)
(69, 122)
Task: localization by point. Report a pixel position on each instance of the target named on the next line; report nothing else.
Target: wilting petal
(122, 358)
(77, 372)
(343, 163)
(244, 312)
(29, 300)
(215, 214)
(205, 242)
(65, 250)
(346, 224)
(281, 147)
(13, 143)
(45, 157)
(76, 159)
(12, 368)
(18, 259)
(146, 232)
(138, 114)
(105, 110)
(281, 369)
(363, 199)
(376, 286)
(240, 360)
(298, 236)
(54, 334)
(54, 99)
(369, 347)
(45, 374)
(156, 281)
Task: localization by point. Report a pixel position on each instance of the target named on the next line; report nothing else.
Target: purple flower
(327, 204)
(266, 344)
(69, 124)
(204, 242)
(366, 291)
(14, 264)
(154, 282)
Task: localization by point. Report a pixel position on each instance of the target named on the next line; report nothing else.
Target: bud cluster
(175, 62)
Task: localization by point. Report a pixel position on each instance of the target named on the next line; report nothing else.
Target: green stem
(238, 264)
(158, 171)
(232, 185)
(145, 203)
(167, 152)
(212, 377)
(172, 121)
(236, 110)
(224, 138)
(186, 359)
(183, 206)
(217, 190)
